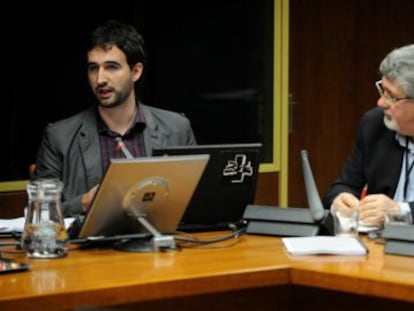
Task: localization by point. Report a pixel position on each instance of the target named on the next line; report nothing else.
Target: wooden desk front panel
(274, 298)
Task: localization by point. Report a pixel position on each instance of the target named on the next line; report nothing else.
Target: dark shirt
(132, 139)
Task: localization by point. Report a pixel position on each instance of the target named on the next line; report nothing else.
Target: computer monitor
(157, 188)
(227, 186)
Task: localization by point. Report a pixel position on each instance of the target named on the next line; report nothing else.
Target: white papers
(13, 224)
(17, 224)
(335, 245)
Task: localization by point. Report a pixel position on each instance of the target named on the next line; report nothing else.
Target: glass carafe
(44, 234)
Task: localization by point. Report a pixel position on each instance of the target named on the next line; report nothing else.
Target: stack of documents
(334, 245)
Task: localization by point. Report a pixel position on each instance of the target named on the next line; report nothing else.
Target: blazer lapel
(90, 149)
(154, 136)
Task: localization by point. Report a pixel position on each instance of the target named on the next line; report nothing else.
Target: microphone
(120, 145)
(312, 194)
(292, 221)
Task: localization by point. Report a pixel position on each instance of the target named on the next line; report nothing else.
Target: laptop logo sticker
(236, 170)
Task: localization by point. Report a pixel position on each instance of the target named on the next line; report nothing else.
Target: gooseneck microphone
(120, 145)
(292, 221)
(312, 194)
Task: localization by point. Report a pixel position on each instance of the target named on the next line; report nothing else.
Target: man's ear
(137, 71)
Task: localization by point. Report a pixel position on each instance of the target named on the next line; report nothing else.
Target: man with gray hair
(381, 164)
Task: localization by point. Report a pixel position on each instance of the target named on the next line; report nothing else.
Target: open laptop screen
(227, 186)
(160, 188)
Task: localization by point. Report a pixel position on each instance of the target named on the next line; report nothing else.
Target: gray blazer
(70, 149)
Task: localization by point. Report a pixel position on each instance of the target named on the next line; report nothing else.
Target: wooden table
(256, 274)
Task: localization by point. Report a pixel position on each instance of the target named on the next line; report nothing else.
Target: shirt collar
(139, 123)
(402, 140)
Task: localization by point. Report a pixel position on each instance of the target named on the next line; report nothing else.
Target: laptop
(227, 186)
(159, 188)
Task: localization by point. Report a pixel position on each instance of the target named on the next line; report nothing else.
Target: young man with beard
(78, 150)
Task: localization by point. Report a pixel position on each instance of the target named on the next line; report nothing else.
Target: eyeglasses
(387, 97)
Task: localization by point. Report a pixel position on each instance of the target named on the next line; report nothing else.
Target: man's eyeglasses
(387, 97)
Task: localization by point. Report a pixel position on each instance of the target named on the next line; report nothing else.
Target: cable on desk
(110, 238)
(233, 237)
(16, 235)
(16, 250)
(184, 241)
(12, 234)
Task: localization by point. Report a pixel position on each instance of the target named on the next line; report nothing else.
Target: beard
(117, 99)
(391, 124)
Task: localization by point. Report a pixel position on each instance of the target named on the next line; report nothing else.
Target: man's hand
(87, 198)
(374, 207)
(346, 200)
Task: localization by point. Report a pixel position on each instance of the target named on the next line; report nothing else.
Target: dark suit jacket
(375, 161)
(70, 149)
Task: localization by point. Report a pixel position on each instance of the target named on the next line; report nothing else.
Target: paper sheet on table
(17, 224)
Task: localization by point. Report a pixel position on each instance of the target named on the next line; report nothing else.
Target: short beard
(391, 124)
(118, 100)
